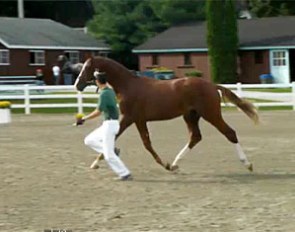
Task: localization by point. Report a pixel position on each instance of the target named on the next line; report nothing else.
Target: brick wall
(175, 61)
(248, 70)
(20, 63)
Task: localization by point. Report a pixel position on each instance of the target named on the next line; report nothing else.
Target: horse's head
(86, 75)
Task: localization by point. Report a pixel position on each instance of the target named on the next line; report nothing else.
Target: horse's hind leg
(192, 122)
(230, 134)
(144, 134)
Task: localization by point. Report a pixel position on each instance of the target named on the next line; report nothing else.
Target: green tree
(124, 25)
(222, 39)
(127, 24)
(178, 11)
(271, 8)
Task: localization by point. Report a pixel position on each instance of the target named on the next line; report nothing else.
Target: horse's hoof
(174, 167)
(250, 167)
(168, 167)
(94, 166)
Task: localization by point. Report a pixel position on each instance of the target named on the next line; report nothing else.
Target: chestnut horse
(145, 99)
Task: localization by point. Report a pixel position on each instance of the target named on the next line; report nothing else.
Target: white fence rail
(269, 98)
(29, 93)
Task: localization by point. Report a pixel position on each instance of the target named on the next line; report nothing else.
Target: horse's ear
(90, 60)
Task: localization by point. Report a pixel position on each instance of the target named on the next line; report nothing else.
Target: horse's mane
(110, 62)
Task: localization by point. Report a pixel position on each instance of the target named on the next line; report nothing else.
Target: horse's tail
(244, 105)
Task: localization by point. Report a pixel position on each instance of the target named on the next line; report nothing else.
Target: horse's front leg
(144, 134)
(124, 124)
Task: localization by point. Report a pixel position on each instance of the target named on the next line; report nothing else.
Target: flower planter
(5, 115)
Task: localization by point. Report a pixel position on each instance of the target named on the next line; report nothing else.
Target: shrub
(5, 104)
(195, 73)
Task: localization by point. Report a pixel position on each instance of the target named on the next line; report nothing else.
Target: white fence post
(80, 102)
(239, 89)
(27, 99)
(293, 94)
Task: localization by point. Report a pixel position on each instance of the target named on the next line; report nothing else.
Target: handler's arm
(95, 113)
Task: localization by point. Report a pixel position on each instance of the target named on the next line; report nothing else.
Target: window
(4, 57)
(258, 57)
(99, 53)
(187, 59)
(73, 56)
(279, 58)
(95, 53)
(37, 57)
(155, 59)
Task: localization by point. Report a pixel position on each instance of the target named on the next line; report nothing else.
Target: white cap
(96, 73)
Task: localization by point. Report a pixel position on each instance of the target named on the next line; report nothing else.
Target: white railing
(271, 99)
(29, 94)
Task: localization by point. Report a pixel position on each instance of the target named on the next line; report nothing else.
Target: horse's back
(189, 85)
(179, 88)
(196, 93)
(184, 92)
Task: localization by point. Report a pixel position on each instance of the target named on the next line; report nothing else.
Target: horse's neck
(119, 77)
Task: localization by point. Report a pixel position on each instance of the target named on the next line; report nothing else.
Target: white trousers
(102, 140)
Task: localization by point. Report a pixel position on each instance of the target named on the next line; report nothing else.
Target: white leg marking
(242, 155)
(182, 153)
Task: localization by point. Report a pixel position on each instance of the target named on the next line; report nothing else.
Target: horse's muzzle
(80, 86)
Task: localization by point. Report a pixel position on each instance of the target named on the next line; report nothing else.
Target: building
(29, 44)
(267, 46)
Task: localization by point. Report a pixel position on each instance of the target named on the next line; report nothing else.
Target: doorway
(279, 66)
(292, 64)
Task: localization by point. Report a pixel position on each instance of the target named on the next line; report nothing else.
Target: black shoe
(124, 178)
(117, 151)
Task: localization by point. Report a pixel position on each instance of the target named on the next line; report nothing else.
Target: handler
(102, 139)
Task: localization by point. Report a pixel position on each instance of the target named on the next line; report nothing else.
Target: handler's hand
(79, 121)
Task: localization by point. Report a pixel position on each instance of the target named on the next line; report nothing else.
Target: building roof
(26, 33)
(258, 33)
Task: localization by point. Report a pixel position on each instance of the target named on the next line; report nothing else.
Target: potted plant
(194, 73)
(5, 115)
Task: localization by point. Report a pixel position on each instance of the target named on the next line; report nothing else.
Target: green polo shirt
(107, 104)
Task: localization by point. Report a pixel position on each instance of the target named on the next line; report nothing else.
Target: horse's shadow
(250, 177)
(231, 179)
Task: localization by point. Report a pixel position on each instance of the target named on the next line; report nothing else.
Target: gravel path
(46, 182)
